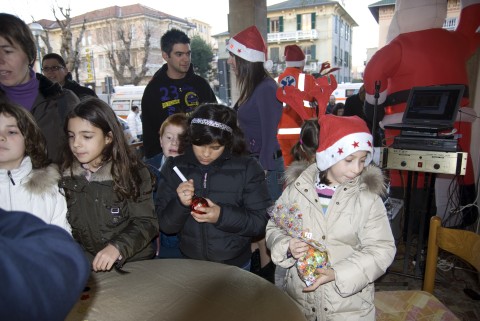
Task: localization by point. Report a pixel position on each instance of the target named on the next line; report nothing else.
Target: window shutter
(313, 52)
(313, 20)
(280, 22)
(299, 22)
(268, 25)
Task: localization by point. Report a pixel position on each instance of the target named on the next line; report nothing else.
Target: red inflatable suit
(290, 123)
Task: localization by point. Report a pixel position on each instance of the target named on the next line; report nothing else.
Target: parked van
(346, 90)
(125, 97)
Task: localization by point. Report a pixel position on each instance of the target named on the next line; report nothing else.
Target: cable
(468, 114)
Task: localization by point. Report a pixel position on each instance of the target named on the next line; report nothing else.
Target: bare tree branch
(120, 57)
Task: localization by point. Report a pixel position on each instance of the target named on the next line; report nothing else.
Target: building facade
(322, 28)
(101, 39)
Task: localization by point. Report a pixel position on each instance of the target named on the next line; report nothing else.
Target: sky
(213, 12)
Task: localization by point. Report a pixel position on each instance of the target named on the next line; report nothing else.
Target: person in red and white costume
(290, 123)
(419, 52)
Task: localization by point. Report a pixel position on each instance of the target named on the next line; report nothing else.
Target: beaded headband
(212, 123)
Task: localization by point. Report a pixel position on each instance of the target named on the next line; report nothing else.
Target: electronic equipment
(430, 109)
(424, 161)
(425, 143)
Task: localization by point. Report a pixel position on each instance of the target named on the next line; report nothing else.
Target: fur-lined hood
(371, 178)
(36, 181)
(101, 175)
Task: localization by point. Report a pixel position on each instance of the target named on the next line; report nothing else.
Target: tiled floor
(449, 287)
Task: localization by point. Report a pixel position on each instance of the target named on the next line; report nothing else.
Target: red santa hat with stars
(341, 136)
(248, 44)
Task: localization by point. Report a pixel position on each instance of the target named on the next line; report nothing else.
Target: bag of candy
(289, 218)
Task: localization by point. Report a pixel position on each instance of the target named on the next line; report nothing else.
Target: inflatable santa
(419, 52)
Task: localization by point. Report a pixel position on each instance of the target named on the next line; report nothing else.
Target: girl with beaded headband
(218, 168)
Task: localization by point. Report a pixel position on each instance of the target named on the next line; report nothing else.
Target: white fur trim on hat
(242, 51)
(294, 56)
(344, 147)
(295, 63)
(248, 44)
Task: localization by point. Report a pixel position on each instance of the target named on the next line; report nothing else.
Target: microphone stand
(375, 106)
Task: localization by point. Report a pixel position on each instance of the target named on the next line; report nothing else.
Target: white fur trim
(242, 51)
(295, 63)
(330, 156)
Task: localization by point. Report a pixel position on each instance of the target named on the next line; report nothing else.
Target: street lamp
(37, 30)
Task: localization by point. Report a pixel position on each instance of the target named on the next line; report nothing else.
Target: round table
(181, 289)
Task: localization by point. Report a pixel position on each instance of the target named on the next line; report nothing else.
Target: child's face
(206, 154)
(12, 143)
(86, 141)
(347, 169)
(170, 140)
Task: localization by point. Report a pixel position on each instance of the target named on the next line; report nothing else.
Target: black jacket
(237, 184)
(81, 91)
(164, 96)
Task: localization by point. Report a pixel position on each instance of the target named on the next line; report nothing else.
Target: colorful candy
(289, 218)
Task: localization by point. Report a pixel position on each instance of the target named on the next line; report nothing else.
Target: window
(99, 36)
(275, 54)
(346, 59)
(133, 32)
(102, 62)
(106, 34)
(311, 50)
(304, 22)
(341, 28)
(133, 59)
(335, 23)
(274, 25)
(335, 58)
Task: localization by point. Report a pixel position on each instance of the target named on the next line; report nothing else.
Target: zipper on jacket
(10, 176)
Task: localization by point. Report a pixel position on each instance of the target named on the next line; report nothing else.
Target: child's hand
(326, 275)
(185, 192)
(105, 259)
(297, 248)
(212, 213)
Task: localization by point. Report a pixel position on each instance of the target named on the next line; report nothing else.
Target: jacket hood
(163, 71)
(36, 181)
(101, 175)
(48, 88)
(43, 179)
(371, 178)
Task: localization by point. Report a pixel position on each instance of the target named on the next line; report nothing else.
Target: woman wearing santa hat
(259, 113)
(340, 201)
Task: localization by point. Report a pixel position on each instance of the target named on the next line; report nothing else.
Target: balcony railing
(450, 24)
(292, 36)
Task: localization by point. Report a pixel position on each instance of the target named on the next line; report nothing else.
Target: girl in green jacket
(108, 190)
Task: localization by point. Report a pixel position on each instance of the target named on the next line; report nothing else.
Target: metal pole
(39, 54)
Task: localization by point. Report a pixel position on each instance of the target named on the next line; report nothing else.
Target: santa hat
(294, 56)
(248, 44)
(341, 136)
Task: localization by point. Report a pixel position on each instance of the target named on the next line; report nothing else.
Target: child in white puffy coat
(28, 182)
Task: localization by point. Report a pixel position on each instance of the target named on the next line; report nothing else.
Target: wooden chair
(464, 244)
